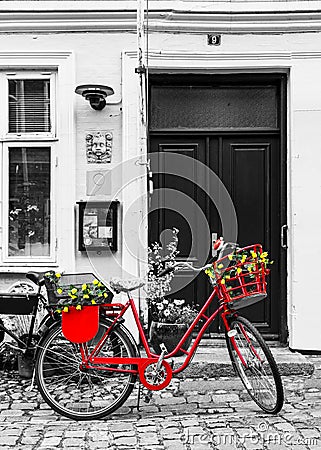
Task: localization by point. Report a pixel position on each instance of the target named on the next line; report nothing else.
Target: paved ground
(190, 414)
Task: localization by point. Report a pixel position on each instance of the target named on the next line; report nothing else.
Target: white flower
(179, 302)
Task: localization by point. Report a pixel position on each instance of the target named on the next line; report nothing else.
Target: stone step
(213, 361)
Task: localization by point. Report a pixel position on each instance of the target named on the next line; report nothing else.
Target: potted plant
(170, 318)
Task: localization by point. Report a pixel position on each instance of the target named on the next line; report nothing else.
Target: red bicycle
(89, 377)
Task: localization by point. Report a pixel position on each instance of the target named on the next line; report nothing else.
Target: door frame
(253, 60)
(262, 78)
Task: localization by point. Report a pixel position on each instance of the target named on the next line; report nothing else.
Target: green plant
(162, 308)
(90, 293)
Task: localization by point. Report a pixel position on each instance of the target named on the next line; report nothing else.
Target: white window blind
(29, 105)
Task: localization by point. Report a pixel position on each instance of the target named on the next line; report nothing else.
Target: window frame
(41, 260)
(7, 75)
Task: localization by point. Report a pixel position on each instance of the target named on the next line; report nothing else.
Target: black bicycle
(26, 304)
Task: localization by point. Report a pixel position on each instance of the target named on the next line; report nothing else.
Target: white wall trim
(177, 16)
(64, 149)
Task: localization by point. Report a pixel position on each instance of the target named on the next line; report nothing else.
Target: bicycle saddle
(120, 285)
(36, 278)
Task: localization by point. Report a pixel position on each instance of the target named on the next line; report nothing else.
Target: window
(29, 106)
(30, 110)
(29, 201)
(27, 130)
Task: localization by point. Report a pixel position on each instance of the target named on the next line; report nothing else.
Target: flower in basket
(92, 292)
(162, 308)
(242, 264)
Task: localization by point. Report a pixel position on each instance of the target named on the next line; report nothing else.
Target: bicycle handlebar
(166, 271)
(219, 246)
(182, 264)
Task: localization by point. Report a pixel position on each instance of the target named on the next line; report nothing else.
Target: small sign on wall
(98, 226)
(98, 182)
(214, 39)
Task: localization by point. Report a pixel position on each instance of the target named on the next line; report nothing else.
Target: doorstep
(212, 360)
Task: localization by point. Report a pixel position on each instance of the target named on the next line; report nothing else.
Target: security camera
(95, 93)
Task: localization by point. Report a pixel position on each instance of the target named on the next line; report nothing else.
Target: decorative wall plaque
(99, 147)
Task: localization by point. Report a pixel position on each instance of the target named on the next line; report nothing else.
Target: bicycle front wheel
(258, 370)
(83, 394)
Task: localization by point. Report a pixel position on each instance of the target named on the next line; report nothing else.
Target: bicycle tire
(261, 378)
(83, 395)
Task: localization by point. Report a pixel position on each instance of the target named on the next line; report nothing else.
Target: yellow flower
(73, 290)
(66, 309)
(73, 297)
(58, 311)
(243, 258)
(59, 291)
(100, 294)
(78, 307)
(93, 302)
(86, 296)
(239, 270)
(220, 266)
(99, 284)
(222, 281)
(228, 277)
(84, 287)
(254, 254)
(209, 273)
(230, 257)
(95, 282)
(105, 294)
(58, 275)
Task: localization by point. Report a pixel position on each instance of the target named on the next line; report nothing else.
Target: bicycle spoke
(83, 393)
(259, 374)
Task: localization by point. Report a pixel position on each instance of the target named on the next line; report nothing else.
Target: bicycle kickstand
(30, 388)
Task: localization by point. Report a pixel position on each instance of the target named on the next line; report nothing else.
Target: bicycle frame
(93, 361)
(26, 345)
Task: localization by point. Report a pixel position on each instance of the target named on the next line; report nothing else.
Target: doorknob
(284, 241)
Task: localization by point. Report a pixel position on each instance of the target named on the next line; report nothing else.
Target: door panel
(178, 202)
(250, 171)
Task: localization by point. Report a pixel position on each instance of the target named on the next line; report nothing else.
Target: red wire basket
(241, 276)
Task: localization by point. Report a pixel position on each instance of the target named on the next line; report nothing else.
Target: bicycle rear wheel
(83, 394)
(260, 374)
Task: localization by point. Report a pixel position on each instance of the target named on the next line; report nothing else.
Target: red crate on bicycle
(77, 297)
(240, 276)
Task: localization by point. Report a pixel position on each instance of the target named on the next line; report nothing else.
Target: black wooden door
(178, 202)
(249, 167)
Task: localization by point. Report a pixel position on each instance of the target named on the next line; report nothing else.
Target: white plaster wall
(98, 59)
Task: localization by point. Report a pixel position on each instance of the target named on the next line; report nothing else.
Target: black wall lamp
(96, 94)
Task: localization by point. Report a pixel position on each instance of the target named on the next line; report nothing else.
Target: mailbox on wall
(98, 226)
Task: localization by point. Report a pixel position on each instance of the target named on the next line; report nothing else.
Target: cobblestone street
(189, 414)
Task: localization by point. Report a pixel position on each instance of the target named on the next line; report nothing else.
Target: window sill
(28, 267)
(29, 138)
